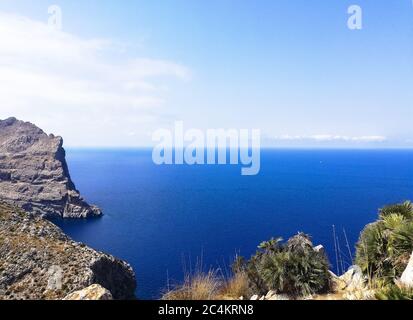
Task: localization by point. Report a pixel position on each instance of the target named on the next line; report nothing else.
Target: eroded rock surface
(34, 173)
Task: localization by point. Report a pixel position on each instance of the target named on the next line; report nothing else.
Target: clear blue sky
(291, 68)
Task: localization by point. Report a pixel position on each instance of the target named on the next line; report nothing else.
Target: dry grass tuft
(236, 287)
(210, 286)
(201, 286)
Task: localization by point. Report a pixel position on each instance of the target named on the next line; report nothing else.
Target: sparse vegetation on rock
(39, 262)
(294, 269)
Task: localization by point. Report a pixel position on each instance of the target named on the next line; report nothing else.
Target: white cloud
(75, 87)
(331, 138)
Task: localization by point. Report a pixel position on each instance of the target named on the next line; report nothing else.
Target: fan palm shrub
(293, 268)
(384, 247)
(393, 292)
(405, 209)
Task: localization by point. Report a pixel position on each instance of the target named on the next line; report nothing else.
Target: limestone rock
(270, 295)
(353, 279)
(93, 292)
(337, 283)
(406, 279)
(34, 174)
(320, 249)
(362, 294)
(39, 262)
(353, 285)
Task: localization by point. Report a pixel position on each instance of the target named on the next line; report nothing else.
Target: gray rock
(34, 174)
(52, 266)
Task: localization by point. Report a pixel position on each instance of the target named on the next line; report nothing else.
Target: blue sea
(162, 219)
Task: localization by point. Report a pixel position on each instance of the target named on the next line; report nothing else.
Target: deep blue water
(162, 218)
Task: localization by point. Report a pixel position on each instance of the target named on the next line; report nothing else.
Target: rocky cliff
(34, 174)
(38, 261)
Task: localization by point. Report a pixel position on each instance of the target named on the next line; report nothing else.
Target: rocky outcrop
(34, 173)
(38, 261)
(93, 292)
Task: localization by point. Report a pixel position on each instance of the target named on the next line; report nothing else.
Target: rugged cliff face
(38, 261)
(34, 174)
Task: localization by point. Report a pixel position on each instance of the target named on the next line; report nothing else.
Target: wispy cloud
(326, 141)
(76, 86)
(331, 138)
